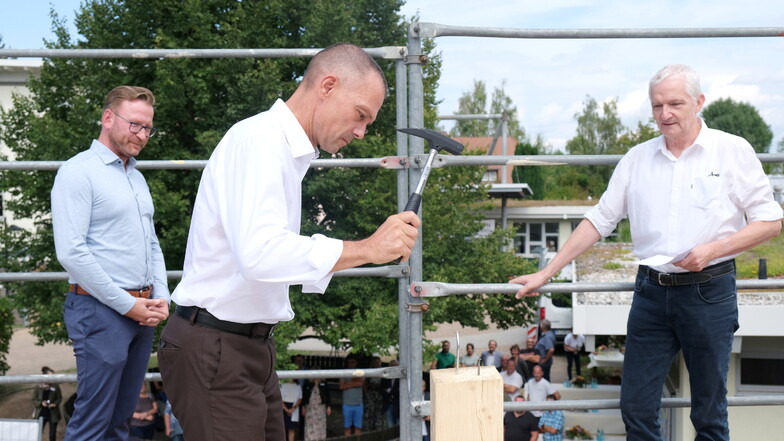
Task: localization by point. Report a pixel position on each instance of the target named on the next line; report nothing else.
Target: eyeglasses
(135, 127)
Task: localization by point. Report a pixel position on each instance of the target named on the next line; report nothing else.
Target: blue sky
(549, 80)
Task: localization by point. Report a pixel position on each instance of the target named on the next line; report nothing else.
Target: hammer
(437, 142)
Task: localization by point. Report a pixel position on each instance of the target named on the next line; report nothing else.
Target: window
(533, 235)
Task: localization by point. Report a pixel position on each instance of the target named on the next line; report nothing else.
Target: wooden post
(468, 405)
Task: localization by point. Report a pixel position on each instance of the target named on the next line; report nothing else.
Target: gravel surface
(614, 262)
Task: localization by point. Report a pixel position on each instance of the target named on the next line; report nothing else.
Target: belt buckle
(146, 292)
(661, 282)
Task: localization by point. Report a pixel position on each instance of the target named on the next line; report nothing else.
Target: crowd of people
(526, 377)
(366, 404)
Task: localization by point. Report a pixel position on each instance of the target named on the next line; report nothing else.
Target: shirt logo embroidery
(713, 174)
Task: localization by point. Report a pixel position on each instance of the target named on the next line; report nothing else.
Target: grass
(772, 251)
(612, 266)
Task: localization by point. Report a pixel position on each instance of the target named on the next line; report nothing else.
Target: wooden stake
(466, 406)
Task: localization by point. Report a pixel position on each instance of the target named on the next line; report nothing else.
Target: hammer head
(436, 140)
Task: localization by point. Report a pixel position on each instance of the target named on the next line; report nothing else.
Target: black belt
(203, 317)
(689, 278)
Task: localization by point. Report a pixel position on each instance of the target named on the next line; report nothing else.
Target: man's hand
(393, 239)
(530, 282)
(698, 258)
(149, 312)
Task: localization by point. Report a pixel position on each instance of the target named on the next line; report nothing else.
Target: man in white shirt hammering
(695, 198)
(244, 250)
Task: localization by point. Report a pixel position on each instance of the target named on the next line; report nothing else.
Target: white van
(557, 307)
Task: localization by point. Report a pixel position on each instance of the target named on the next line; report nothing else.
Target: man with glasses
(102, 215)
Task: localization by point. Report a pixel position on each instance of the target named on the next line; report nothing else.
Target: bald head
(346, 60)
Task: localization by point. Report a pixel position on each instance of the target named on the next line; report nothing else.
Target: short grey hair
(689, 75)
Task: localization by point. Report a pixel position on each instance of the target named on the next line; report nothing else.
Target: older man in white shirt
(695, 198)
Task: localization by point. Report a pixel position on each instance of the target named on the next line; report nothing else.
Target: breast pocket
(707, 192)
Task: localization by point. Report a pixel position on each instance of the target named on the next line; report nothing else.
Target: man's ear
(107, 118)
(328, 84)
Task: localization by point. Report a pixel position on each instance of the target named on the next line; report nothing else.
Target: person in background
(695, 198)
(546, 348)
(171, 424)
(46, 404)
(470, 359)
(513, 382)
(444, 359)
(573, 344)
(392, 398)
(353, 408)
(292, 400)
(316, 407)
(529, 357)
(520, 425)
(374, 399)
(537, 388)
(551, 423)
(143, 421)
(490, 357)
(104, 236)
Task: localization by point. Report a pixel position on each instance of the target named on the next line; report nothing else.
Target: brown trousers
(222, 386)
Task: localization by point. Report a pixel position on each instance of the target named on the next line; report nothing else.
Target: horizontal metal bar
(389, 271)
(472, 116)
(390, 162)
(431, 30)
(440, 289)
(387, 372)
(424, 408)
(387, 52)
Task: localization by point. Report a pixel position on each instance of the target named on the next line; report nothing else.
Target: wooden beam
(467, 405)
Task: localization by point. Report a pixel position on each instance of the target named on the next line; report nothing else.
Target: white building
(13, 79)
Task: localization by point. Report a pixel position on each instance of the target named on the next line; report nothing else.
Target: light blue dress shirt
(103, 229)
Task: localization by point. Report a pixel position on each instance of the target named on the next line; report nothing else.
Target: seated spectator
(513, 382)
(551, 424)
(470, 359)
(444, 359)
(538, 388)
(142, 425)
(520, 425)
(490, 357)
(529, 357)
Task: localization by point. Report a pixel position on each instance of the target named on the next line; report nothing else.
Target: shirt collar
(298, 140)
(108, 156)
(703, 140)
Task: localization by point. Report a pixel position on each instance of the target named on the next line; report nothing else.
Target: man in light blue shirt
(102, 215)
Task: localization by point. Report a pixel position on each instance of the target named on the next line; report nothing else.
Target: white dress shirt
(675, 204)
(244, 249)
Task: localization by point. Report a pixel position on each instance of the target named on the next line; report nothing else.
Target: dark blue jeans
(111, 352)
(700, 320)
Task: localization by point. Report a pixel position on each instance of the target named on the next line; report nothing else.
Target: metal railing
(410, 113)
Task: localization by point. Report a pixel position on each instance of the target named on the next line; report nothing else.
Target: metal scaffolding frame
(407, 163)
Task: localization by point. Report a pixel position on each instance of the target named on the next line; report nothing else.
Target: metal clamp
(417, 307)
(416, 59)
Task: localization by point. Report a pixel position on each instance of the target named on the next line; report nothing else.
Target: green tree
(598, 133)
(741, 119)
(198, 100)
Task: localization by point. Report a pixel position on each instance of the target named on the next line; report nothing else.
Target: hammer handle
(414, 201)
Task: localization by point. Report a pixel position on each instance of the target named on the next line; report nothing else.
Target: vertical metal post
(505, 146)
(416, 118)
(403, 318)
